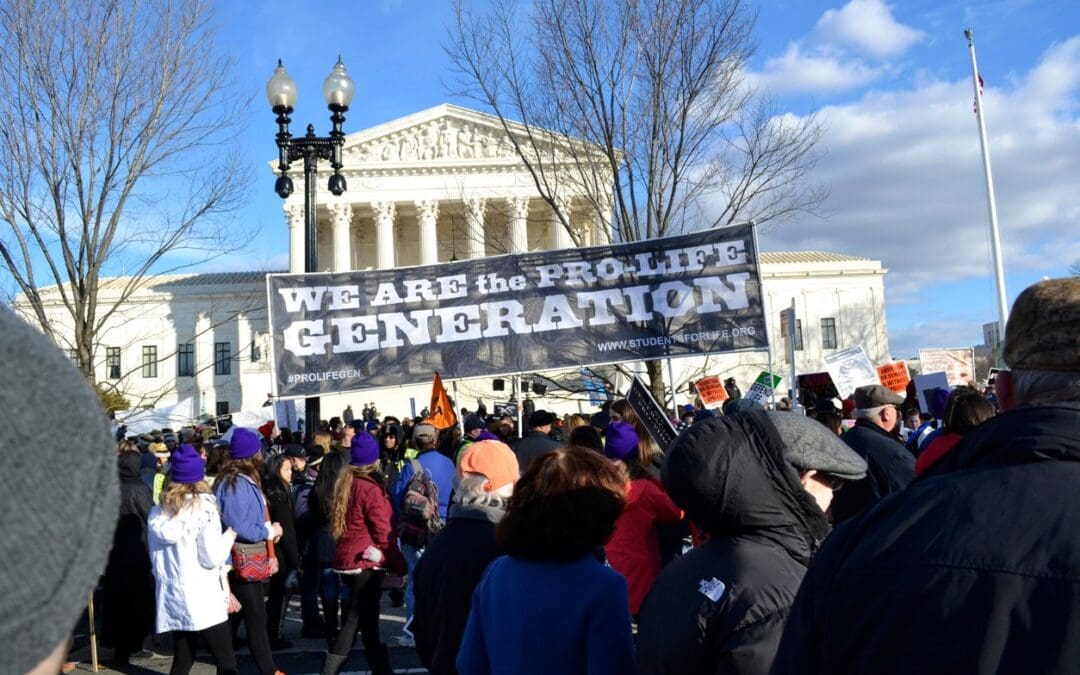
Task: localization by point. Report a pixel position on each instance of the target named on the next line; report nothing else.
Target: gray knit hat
(58, 516)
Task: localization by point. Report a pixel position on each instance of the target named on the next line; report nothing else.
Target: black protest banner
(677, 296)
(650, 414)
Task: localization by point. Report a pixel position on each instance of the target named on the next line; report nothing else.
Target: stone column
(341, 219)
(294, 216)
(560, 236)
(601, 225)
(519, 230)
(474, 227)
(384, 234)
(427, 213)
(204, 352)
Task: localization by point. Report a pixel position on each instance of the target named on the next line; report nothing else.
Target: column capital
(384, 210)
(519, 207)
(340, 211)
(294, 212)
(427, 208)
(475, 203)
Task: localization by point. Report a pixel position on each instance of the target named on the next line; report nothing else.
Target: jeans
(412, 556)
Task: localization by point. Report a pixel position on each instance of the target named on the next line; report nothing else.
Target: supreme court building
(439, 185)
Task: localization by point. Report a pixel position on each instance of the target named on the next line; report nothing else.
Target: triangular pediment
(443, 134)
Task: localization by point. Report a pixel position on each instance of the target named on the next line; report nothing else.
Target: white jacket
(190, 556)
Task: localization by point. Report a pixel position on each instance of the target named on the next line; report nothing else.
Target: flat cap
(874, 395)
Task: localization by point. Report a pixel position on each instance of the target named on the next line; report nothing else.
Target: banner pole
(764, 303)
(674, 400)
(793, 386)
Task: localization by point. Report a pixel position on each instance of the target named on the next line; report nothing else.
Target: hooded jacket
(974, 568)
(721, 607)
(189, 553)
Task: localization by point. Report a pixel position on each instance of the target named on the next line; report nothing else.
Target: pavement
(303, 657)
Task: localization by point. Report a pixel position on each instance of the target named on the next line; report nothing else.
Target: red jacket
(938, 448)
(367, 523)
(634, 549)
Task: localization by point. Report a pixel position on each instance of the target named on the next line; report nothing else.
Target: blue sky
(891, 81)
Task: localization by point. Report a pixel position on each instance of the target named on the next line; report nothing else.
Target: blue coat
(439, 468)
(243, 509)
(548, 617)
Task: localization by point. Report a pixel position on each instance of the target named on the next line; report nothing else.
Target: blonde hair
(342, 494)
(573, 421)
(648, 450)
(322, 439)
(175, 496)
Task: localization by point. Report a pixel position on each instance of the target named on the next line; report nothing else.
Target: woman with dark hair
(320, 504)
(634, 549)
(364, 550)
(239, 494)
(277, 486)
(586, 436)
(966, 409)
(550, 584)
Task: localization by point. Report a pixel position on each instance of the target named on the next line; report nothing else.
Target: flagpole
(995, 237)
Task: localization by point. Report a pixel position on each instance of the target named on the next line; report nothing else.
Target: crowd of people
(864, 536)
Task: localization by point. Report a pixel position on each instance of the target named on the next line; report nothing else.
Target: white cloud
(907, 183)
(832, 58)
(799, 72)
(866, 25)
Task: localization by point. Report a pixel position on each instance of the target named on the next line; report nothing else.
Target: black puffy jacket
(976, 570)
(721, 607)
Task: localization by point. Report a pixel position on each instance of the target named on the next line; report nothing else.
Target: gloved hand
(372, 554)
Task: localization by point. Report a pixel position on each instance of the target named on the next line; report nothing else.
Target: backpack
(419, 516)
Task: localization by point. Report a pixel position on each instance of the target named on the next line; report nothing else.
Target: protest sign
(957, 364)
(762, 388)
(850, 369)
(711, 390)
(926, 383)
(819, 385)
(692, 294)
(894, 376)
(650, 414)
(505, 408)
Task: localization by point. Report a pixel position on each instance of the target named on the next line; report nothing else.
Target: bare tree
(642, 108)
(117, 120)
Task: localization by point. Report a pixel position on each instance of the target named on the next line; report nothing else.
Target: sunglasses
(829, 481)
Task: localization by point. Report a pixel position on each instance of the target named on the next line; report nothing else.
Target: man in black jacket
(975, 567)
(758, 483)
(536, 442)
(890, 467)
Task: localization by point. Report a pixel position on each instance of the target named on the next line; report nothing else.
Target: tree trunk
(655, 368)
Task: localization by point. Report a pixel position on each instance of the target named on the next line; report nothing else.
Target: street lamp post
(281, 92)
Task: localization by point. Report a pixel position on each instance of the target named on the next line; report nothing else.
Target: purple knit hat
(620, 440)
(245, 443)
(364, 450)
(187, 465)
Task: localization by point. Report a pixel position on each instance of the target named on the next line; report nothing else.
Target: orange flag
(440, 414)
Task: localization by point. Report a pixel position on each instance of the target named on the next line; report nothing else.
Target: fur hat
(364, 450)
(1043, 330)
(187, 465)
(244, 443)
(492, 459)
(620, 440)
